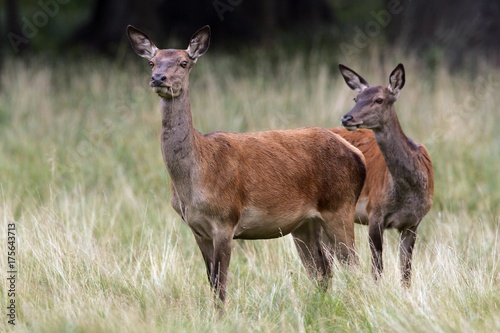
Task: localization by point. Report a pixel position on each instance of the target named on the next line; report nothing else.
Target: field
(99, 248)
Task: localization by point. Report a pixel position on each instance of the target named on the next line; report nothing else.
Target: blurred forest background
(458, 31)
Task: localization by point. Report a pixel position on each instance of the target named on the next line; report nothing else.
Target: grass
(99, 249)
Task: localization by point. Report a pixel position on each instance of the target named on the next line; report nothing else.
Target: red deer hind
(260, 185)
(399, 186)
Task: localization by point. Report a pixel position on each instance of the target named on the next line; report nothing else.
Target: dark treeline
(456, 30)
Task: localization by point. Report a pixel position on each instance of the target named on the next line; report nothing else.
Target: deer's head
(170, 67)
(374, 104)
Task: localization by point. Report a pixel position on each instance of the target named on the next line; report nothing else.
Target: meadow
(99, 248)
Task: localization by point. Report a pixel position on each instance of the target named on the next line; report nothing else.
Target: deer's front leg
(222, 257)
(407, 242)
(207, 251)
(217, 255)
(376, 238)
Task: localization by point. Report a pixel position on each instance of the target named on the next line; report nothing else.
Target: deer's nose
(346, 119)
(157, 79)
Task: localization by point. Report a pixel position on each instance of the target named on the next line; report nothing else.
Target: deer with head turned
(399, 186)
(259, 185)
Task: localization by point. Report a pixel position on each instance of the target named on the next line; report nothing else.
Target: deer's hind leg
(314, 254)
(339, 228)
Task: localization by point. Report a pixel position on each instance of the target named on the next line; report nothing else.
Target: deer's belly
(257, 224)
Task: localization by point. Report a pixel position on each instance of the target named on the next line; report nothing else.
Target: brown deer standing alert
(253, 185)
(399, 186)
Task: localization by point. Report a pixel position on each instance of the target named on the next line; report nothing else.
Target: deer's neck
(179, 141)
(399, 153)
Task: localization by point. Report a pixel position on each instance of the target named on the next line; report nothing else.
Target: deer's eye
(151, 64)
(379, 101)
(184, 64)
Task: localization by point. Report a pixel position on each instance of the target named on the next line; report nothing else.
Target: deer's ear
(199, 43)
(397, 80)
(141, 43)
(353, 79)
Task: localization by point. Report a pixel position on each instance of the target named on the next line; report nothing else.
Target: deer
(258, 185)
(399, 187)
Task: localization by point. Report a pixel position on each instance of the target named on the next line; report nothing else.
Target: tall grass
(101, 250)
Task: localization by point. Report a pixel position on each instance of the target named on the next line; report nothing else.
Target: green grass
(101, 250)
